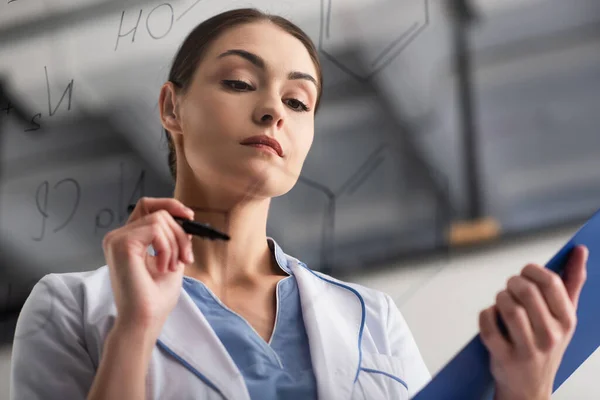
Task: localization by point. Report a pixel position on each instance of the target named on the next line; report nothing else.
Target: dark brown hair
(194, 46)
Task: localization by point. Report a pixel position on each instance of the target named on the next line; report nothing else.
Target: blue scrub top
(280, 369)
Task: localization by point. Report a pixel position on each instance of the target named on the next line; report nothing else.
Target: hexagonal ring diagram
(338, 23)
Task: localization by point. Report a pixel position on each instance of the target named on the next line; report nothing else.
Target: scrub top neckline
(276, 251)
(278, 299)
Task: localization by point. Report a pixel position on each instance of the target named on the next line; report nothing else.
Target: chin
(266, 182)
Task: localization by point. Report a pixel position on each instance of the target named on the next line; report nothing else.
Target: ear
(169, 109)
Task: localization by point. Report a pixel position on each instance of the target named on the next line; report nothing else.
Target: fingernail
(190, 256)
(186, 209)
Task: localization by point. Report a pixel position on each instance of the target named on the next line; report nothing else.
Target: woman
(242, 319)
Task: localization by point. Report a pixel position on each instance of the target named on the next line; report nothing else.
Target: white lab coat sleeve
(49, 357)
(404, 347)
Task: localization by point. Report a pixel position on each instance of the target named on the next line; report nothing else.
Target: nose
(270, 113)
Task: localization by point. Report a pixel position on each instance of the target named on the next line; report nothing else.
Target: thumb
(576, 273)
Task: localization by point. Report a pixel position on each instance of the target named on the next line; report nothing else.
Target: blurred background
(457, 141)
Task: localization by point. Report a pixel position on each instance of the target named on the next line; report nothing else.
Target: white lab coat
(360, 345)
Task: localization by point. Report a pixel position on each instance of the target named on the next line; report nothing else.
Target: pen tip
(220, 236)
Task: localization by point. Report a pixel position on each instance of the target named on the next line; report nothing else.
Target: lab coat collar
(283, 260)
(188, 337)
(334, 317)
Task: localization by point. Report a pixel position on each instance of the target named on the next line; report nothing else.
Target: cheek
(305, 139)
(202, 126)
(206, 111)
(212, 118)
(301, 145)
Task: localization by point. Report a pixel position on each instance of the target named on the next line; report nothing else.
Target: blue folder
(467, 376)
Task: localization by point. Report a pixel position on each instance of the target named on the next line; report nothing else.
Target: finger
(184, 243)
(148, 233)
(576, 273)
(490, 334)
(163, 243)
(528, 294)
(553, 290)
(517, 323)
(149, 205)
(166, 219)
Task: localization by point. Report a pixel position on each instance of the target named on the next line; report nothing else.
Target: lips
(264, 140)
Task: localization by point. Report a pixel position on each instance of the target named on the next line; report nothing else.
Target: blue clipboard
(467, 376)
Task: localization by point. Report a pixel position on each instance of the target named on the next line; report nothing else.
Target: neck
(246, 257)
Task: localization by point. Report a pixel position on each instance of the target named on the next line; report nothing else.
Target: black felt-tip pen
(194, 228)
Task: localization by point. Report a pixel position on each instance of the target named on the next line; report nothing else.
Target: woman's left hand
(539, 311)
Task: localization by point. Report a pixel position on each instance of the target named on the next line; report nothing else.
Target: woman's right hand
(146, 287)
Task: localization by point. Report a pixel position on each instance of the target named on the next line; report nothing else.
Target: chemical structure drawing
(410, 18)
(357, 179)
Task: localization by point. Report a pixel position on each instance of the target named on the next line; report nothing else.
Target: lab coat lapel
(188, 337)
(334, 316)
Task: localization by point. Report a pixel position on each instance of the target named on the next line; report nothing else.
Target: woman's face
(255, 79)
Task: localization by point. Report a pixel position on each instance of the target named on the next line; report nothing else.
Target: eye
(297, 105)
(237, 85)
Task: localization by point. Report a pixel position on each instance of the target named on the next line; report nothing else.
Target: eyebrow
(260, 63)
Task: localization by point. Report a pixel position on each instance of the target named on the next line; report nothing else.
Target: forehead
(281, 51)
